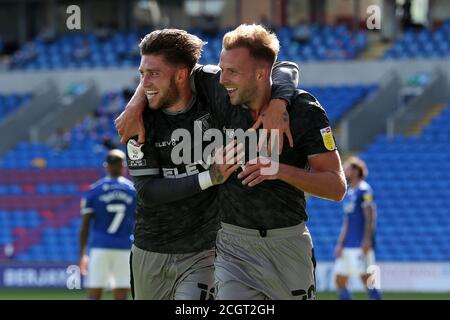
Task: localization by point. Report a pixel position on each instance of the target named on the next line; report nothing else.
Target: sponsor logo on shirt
(327, 137)
(162, 144)
(189, 170)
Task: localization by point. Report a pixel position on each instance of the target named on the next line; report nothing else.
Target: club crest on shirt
(327, 137)
(134, 150)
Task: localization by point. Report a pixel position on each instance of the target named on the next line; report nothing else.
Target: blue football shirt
(112, 201)
(356, 199)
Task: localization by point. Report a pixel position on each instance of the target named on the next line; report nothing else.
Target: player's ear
(259, 74)
(262, 73)
(182, 74)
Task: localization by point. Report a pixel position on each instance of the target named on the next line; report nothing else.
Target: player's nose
(146, 81)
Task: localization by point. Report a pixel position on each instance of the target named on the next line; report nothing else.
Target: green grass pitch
(65, 294)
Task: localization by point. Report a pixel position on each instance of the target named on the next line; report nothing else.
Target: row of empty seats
(422, 44)
(54, 245)
(86, 50)
(30, 202)
(35, 176)
(324, 43)
(337, 100)
(15, 189)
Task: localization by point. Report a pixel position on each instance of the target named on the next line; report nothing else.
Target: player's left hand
(366, 246)
(275, 116)
(253, 174)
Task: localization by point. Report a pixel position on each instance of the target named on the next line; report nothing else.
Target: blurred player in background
(177, 221)
(356, 243)
(107, 226)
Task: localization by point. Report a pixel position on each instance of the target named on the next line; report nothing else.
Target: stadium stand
(41, 187)
(325, 43)
(337, 100)
(86, 50)
(422, 44)
(411, 182)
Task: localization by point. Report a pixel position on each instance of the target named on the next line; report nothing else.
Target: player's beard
(170, 96)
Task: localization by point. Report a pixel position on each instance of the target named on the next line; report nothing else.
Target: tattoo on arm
(216, 175)
(285, 116)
